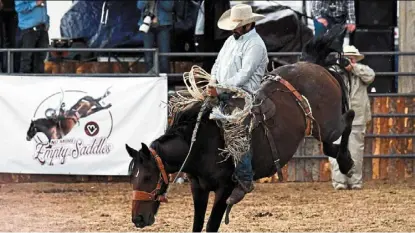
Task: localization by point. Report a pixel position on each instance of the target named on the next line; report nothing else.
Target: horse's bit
(154, 195)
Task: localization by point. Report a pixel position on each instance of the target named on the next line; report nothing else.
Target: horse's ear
(131, 151)
(146, 152)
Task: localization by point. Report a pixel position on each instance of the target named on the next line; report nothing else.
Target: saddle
(264, 110)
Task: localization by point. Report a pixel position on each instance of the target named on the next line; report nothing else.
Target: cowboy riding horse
(57, 125)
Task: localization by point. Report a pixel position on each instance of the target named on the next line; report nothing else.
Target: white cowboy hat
(238, 16)
(350, 50)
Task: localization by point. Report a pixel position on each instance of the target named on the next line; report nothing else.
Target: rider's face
(241, 30)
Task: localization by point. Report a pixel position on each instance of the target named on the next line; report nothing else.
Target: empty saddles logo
(66, 133)
(91, 128)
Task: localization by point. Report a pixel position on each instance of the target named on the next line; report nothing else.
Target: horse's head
(149, 171)
(150, 181)
(31, 132)
(42, 125)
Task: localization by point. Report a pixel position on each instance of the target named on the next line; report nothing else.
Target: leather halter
(154, 195)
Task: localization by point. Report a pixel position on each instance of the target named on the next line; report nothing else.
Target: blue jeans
(320, 29)
(162, 35)
(243, 170)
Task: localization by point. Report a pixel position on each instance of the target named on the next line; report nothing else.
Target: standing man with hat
(360, 77)
(242, 63)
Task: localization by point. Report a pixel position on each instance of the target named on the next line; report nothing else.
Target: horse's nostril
(139, 218)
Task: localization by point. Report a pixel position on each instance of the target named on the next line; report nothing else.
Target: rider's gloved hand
(211, 90)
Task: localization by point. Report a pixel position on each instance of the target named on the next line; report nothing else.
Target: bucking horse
(57, 122)
(291, 99)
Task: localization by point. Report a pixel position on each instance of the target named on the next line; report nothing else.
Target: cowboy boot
(240, 191)
(244, 176)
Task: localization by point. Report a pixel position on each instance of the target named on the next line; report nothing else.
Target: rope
(196, 90)
(199, 117)
(190, 80)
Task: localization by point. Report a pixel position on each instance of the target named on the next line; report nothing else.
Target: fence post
(9, 62)
(156, 62)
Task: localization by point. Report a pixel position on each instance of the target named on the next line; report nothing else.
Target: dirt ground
(380, 206)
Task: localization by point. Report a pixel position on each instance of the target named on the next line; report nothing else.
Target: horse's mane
(317, 50)
(184, 122)
(46, 122)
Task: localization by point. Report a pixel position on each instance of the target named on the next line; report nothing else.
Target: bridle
(154, 195)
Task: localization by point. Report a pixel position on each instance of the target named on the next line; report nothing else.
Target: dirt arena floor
(381, 206)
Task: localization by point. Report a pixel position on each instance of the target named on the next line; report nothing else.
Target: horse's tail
(317, 49)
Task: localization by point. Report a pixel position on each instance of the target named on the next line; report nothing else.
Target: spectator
(161, 14)
(327, 13)
(34, 26)
(8, 26)
(360, 77)
(206, 32)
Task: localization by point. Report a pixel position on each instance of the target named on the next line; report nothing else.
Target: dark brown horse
(58, 126)
(279, 112)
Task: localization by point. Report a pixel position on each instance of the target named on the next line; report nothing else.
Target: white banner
(77, 125)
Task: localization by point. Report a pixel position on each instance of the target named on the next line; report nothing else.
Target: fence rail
(157, 54)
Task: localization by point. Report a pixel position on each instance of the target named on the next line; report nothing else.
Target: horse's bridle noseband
(155, 195)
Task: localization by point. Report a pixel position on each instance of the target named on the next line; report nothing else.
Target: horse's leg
(200, 201)
(98, 108)
(344, 158)
(218, 209)
(104, 96)
(340, 152)
(52, 134)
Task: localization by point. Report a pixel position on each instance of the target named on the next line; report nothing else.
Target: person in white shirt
(242, 63)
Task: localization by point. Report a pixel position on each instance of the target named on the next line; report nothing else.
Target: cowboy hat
(238, 16)
(350, 50)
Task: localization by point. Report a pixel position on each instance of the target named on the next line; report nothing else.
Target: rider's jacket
(242, 62)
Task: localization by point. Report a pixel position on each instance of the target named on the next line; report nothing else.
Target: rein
(199, 117)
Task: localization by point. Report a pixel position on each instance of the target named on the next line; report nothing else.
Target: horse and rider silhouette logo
(62, 127)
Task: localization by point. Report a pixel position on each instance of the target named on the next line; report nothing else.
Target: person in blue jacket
(159, 29)
(33, 22)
